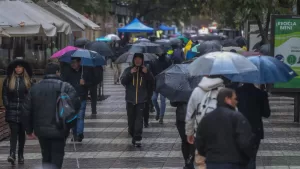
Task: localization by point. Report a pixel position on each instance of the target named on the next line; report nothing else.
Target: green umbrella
(195, 48)
(184, 39)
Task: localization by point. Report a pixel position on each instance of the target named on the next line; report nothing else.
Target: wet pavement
(108, 145)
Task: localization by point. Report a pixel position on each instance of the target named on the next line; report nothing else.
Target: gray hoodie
(205, 85)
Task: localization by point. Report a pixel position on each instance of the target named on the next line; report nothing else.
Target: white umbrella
(3, 33)
(112, 37)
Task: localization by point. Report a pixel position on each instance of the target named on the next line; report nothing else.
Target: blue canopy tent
(166, 28)
(135, 26)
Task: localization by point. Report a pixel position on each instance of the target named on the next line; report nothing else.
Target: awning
(76, 25)
(19, 18)
(135, 26)
(166, 28)
(73, 15)
(3, 33)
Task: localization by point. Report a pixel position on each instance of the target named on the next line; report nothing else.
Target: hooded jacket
(205, 85)
(136, 84)
(13, 99)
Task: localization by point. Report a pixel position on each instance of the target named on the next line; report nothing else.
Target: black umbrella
(165, 43)
(146, 47)
(265, 49)
(229, 42)
(175, 42)
(241, 41)
(128, 56)
(100, 47)
(19, 62)
(81, 42)
(176, 84)
(142, 40)
(209, 46)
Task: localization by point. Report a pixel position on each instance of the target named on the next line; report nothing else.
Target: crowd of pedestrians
(219, 127)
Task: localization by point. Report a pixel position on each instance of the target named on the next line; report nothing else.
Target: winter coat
(137, 85)
(13, 99)
(159, 65)
(73, 77)
(253, 103)
(39, 108)
(180, 110)
(224, 136)
(205, 85)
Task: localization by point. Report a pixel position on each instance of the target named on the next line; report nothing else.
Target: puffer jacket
(13, 100)
(39, 108)
(205, 85)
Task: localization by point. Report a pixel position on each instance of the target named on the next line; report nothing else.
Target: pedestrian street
(108, 145)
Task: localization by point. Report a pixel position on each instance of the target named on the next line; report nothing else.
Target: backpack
(177, 56)
(207, 105)
(65, 112)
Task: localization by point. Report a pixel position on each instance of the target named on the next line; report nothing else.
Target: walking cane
(75, 150)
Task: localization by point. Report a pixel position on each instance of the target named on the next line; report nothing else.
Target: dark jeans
(252, 162)
(93, 94)
(188, 150)
(135, 115)
(53, 151)
(17, 134)
(146, 113)
(224, 166)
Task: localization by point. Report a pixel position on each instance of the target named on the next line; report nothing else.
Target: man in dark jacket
(188, 150)
(40, 113)
(254, 104)
(135, 80)
(157, 67)
(224, 136)
(81, 79)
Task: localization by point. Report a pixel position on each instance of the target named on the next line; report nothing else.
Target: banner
(286, 34)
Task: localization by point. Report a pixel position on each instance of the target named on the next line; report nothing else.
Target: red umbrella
(250, 53)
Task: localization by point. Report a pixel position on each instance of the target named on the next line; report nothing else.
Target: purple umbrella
(63, 51)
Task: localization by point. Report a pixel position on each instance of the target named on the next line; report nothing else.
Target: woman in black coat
(15, 88)
(188, 150)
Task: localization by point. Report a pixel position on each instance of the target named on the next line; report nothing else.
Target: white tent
(19, 18)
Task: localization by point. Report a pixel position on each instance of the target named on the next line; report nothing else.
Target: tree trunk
(261, 30)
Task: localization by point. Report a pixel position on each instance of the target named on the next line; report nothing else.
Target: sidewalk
(107, 144)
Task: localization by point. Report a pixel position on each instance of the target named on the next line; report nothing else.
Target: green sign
(287, 47)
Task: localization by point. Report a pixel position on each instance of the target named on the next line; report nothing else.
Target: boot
(20, 158)
(12, 158)
(80, 137)
(161, 120)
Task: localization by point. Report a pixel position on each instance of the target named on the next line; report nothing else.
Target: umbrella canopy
(164, 27)
(221, 63)
(142, 40)
(81, 42)
(233, 48)
(250, 53)
(241, 41)
(3, 33)
(165, 43)
(265, 49)
(88, 57)
(176, 84)
(135, 26)
(176, 42)
(183, 38)
(229, 42)
(128, 56)
(63, 51)
(270, 70)
(209, 46)
(101, 47)
(146, 47)
(113, 37)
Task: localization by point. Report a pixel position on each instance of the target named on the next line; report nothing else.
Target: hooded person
(203, 96)
(15, 89)
(135, 79)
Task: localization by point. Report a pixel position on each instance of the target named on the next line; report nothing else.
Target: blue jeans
(224, 166)
(79, 127)
(159, 110)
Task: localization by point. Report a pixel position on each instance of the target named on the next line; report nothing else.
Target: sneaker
(12, 158)
(138, 144)
(80, 137)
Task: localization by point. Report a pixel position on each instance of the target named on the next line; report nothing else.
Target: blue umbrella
(103, 39)
(88, 57)
(270, 70)
(220, 63)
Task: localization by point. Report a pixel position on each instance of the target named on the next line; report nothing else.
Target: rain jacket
(137, 85)
(205, 85)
